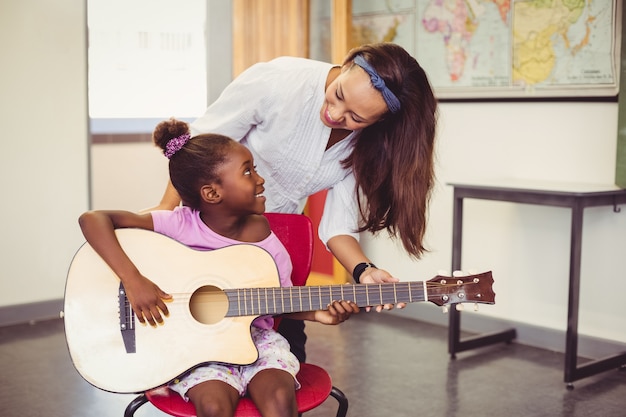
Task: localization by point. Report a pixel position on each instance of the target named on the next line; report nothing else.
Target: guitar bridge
(127, 321)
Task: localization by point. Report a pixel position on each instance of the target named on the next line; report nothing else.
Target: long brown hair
(393, 159)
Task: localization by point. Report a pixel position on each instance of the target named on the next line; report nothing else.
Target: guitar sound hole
(208, 304)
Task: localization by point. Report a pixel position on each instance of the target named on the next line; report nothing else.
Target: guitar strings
(266, 300)
(346, 289)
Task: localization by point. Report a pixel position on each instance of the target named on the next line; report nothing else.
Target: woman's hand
(349, 253)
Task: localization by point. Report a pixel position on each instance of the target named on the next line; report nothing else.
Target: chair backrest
(295, 231)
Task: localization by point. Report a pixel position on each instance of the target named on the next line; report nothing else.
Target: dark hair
(196, 163)
(393, 159)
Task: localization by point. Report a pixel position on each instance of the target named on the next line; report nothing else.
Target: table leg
(573, 372)
(571, 338)
(454, 327)
(455, 344)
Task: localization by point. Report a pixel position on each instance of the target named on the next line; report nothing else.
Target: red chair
(296, 233)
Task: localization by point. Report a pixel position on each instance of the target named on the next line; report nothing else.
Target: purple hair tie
(176, 144)
(390, 98)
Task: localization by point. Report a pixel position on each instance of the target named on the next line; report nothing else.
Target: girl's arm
(98, 227)
(337, 312)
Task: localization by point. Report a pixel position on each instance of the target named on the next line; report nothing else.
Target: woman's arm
(339, 220)
(98, 227)
(349, 253)
(337, 230)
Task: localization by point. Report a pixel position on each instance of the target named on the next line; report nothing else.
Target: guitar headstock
(477, 288)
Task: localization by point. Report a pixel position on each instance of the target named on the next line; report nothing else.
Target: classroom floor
(385, 364)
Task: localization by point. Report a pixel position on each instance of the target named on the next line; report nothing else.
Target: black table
(574, 196)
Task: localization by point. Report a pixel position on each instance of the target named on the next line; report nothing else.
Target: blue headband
(390, 98)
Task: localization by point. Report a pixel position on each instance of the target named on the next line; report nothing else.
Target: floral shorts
(274, 353)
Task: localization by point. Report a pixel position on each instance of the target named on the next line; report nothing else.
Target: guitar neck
(279, 300)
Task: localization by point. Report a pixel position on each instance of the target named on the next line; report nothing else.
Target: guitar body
(196, 330)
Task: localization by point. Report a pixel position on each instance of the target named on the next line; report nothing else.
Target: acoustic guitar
(216, 296)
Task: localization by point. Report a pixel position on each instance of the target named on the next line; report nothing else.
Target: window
(147, 58)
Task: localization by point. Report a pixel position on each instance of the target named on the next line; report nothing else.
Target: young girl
(223, 203)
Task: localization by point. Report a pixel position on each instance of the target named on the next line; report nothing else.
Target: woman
(368, 125)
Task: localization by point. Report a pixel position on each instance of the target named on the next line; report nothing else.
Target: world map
(508, 48)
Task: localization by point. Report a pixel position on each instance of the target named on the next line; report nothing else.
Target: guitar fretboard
(279, 300)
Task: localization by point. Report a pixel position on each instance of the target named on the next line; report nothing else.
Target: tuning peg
(472, 271)
(459, 274)
(443, 272)
(475, 306)
(445, 309)
(459, 307)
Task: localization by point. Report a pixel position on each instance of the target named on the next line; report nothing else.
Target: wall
(44, 170)
(620, 169)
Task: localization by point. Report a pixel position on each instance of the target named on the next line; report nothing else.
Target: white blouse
(274, 109)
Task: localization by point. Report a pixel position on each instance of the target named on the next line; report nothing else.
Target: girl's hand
(376, 276)
(147, 300)
(337, 312)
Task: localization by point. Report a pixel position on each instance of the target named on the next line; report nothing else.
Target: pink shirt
(184, 225)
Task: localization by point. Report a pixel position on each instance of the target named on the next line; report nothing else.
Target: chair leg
(134, 405)
(342, 400)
